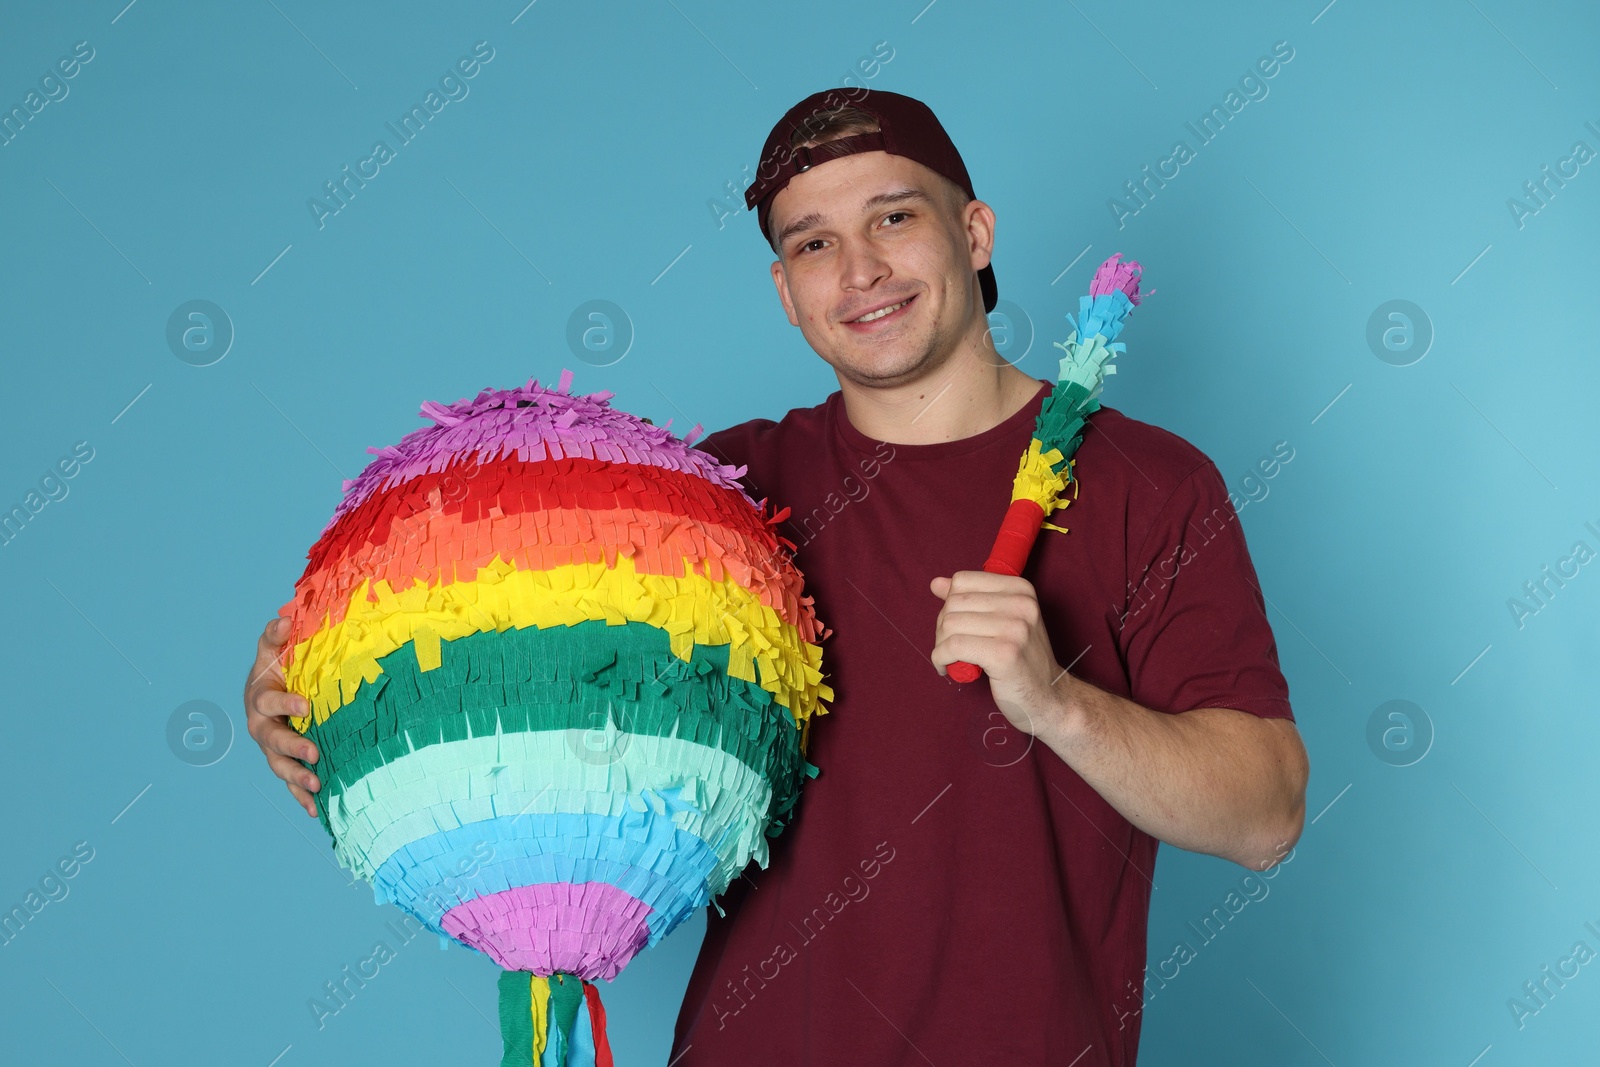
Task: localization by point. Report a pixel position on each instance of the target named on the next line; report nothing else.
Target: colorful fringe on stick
(1046, 468)
(561, 674)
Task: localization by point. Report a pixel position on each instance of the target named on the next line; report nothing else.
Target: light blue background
(581, 166)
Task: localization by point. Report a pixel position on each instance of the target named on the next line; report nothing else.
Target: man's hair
(845, 120)
(820, 127)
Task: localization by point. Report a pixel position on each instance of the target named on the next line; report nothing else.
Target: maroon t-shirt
(950, 890)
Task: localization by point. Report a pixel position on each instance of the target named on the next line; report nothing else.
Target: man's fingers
(264, 692)
(993, 655)
(985, 601)
(985, 639)
(981, 624)
(267, 707)
(275, 702)
(987, 582)
(270, 645)
(266, 673)
(267, 717)
(273, 635)
(303, 798)
(291, 772)
(274, 736)
(965, 647)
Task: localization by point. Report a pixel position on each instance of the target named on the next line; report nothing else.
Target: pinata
(561, 672)
(1039, 489)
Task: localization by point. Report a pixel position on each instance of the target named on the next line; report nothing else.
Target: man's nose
(862, 265)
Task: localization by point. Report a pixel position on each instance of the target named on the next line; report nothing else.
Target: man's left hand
(993, 621)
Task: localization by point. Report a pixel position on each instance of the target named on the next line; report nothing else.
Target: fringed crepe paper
(561, 672)
(1046, 468)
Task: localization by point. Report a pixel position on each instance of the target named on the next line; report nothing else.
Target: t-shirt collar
(1004, 432)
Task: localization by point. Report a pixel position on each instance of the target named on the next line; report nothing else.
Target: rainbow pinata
(561, 671)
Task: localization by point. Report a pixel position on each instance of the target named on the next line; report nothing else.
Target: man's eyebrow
(897, 196)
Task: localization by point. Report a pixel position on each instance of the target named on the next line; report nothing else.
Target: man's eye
(894, 214)
(807, 246)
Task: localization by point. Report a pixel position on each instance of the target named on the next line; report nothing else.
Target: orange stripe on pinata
(443, 527)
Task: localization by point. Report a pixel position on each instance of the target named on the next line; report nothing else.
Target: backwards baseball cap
(906, 127)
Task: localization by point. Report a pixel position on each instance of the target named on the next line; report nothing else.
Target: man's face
(870, 231)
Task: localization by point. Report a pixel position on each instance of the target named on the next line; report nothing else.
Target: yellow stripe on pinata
(539, 1005)
(1042, 477)
(329, 665)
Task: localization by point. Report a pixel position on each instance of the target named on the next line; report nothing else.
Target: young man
(968, 879)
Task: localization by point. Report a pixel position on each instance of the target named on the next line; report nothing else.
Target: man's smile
(882, 313)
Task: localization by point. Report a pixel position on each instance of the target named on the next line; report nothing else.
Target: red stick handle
(1018, 530)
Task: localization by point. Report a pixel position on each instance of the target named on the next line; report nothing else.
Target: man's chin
(883, 369)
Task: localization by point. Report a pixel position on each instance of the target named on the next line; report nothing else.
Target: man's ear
(978, 218)
(781, 282)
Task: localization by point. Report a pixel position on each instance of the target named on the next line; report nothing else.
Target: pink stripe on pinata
(533, 423)
(1114, 275)
(591, 929)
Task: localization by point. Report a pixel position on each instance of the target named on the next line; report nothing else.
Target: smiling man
(968, 879)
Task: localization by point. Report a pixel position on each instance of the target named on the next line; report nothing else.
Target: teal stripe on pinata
(559, 678)
(712, 794)
(1076, 395)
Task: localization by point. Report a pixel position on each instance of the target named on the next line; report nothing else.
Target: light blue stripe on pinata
(554, 1054)
(1103, 314)
(642, 853)
(578, 1050)
(582, 1050)
(1087, 360)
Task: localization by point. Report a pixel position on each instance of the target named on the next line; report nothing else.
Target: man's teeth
(881, 312)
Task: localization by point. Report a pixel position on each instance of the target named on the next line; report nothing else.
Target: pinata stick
(1046, 467)
(1018, 530)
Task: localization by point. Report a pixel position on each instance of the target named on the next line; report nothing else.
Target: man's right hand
(267, 707)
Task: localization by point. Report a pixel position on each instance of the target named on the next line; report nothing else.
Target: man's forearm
(1212, 780)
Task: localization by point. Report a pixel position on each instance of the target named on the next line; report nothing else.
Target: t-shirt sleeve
(1195, 632)
(733, 445)
(722, 444)
(745, 445)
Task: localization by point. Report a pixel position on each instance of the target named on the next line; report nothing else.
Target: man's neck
(962, 399)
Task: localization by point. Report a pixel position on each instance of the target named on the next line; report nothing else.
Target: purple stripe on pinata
(532, 423)
(591, 929)
(1114, 275)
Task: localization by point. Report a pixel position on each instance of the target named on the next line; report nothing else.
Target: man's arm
(1213, 780)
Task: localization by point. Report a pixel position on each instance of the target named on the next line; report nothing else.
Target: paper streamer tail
(1010, 552)
(552, 1022)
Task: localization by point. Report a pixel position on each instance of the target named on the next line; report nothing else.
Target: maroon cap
(907, 128)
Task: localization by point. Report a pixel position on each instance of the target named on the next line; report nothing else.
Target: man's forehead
(844, 185)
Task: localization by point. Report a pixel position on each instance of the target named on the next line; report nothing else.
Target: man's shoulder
(1159, 458)
(744, 441)
(1152, 466)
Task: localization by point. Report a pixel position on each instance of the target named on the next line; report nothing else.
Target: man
(968, 879)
